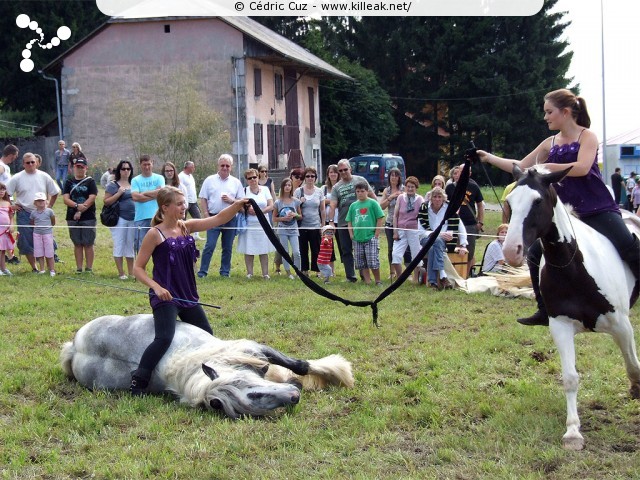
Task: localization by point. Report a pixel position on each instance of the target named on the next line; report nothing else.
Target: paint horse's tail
(66, 357)
(330, 370)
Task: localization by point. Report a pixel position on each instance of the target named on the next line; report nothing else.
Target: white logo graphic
(23, 21)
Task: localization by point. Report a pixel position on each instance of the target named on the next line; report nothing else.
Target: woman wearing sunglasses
(123, 234)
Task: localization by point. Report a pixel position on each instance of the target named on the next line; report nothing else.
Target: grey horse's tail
(66, 357)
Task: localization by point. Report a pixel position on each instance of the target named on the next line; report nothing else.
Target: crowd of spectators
(299, 212)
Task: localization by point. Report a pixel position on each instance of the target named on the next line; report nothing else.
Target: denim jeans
(61, 174)
(142, 227)
(435, 260)
(287, 239)
(228, 231)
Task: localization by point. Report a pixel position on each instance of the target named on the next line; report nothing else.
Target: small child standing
(43, 219)
(365, 221)
(6, 238)
(324, 255)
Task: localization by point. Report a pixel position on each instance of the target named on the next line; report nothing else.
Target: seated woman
(453, 237)
(493, 257)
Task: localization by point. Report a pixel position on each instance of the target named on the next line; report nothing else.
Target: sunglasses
(251, 178)
(343, 170)
(124, 168)
(262, 171)
(29, 163)
(309, 176)
(225, 166)
(297, 177)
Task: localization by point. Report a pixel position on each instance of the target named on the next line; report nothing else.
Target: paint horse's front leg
(563, 333)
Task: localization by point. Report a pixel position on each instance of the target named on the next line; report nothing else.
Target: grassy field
(450, 387)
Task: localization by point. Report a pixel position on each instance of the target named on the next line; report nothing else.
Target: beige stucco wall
(122, 57)
(259, 111)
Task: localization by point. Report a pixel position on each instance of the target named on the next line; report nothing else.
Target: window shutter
(257, 138)
(312, 113)
(257, 80)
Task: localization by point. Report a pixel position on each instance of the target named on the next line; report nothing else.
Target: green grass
(450, 387)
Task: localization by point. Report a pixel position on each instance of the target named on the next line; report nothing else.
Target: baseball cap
(79, 161)
(326, 228)
(39, 196)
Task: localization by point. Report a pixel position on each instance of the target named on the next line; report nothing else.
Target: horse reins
(454, 204)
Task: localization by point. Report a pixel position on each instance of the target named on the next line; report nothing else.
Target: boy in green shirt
(365, 221)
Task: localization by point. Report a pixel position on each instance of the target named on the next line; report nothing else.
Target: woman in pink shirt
(405, 225)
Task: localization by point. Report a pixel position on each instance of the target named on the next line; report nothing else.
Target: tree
(356, 118)
(28, 92)
(177, 124)
(476, 78)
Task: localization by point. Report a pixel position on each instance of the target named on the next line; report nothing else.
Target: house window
(167, 29)
(312, 113)
(257, 138)
(257, 82)
(278, 83)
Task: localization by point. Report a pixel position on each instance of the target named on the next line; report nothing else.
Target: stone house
(265, 85)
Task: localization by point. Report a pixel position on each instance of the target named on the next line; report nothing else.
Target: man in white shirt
(218, 191)
(9, 155)
(23, 186)
(144, 190)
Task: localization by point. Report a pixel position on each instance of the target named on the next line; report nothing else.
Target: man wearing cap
(23, 186)
(79, 195)
(62, 163)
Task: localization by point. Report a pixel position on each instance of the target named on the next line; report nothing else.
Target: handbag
(110, 214)
(241, 220)
(241, 223)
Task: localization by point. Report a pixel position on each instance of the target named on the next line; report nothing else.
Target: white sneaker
(52, 273)
(291, 277)
(6, 272)
(41, 272)
(266, 277)
(123, 277)
(250, 276)
(2, 273)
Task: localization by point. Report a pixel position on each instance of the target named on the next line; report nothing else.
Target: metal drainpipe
(235, 72)
(57, 102)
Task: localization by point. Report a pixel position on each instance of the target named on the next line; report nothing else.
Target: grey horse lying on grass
(239, 377)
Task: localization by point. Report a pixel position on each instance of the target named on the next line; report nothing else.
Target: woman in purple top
(174, 253)
(576, 146)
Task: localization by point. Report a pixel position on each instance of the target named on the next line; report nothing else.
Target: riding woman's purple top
(588, 195)
(173, 262)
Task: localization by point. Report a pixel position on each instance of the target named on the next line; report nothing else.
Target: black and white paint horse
(239, 377)
(584, 283)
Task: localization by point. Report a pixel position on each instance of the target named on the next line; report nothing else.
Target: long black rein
(454, 205)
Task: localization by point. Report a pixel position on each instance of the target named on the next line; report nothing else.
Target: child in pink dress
(7, 241)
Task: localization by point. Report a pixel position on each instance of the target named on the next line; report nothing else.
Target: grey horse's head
(244, 391)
